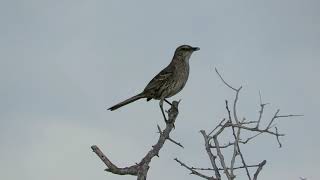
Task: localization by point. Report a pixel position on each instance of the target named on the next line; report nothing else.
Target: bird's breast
(180, 79)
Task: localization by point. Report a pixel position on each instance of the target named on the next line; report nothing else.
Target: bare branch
(243, 161)
(220, 124)
(220, 130)
(290, 115)
(249, 122)
(211, 156)
(276, 116)
(223, 146)
(194, 171)
(236, 98)
(221, 169)
(262, 105)
(238, 151)
(228, 110)
(132, 170)
(280, 145)
(240, 141)
(221, 157)
(141, 169)
(236, 148)
(169, 138)
(225, 81)
(254, 129)
(237, 127)
(260, 166)
(175, 142)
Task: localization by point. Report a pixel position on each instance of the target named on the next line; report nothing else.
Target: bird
(168, 82)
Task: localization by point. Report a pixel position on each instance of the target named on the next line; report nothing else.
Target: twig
(175, 142)
(238, 151)
(260, 166)
(169, 138)
(254, 129)
(132, 170)
(280, 145)
(220, 124)
(221, 169)
(262, 105)
(221, 157)
(276, 116)
(236, 97)
(273, 118)
(224, 80)
(194, 171)
(211, 156)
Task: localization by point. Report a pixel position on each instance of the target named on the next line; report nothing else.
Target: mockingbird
(168, 82)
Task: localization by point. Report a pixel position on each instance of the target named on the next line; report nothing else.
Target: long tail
(123, 103)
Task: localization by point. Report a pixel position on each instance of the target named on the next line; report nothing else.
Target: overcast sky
(62, 63)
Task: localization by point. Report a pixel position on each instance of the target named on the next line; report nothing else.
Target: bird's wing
(160, 78)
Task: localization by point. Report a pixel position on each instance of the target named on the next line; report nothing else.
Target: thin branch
(221, 169)
(290, 115)
(211, 156)
(262, 105)
(228, 110)
(240, 141)
(223, 146)
(225, 81)
(194, 171)
(132, 170)
(273, 118)
(260, 166)
(248, 139)
(254, 129)
(175, 142)
(280, 145)
(276, 116)
(220, 130)
(238, 151)
(169, 138)
(221, 157)
(236, 98)
(243, 162)
(235, 105)
(220, 124)
(249, 122)
(235, 153)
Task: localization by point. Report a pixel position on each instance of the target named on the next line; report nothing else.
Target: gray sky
(62, 63)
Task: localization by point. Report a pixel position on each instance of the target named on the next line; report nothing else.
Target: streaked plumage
(169, 81)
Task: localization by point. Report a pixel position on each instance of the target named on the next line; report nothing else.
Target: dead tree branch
(193, 171)
(214, 149)
(141, 169)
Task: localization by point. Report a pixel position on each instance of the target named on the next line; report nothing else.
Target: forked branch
(214, 147)
(141, 169)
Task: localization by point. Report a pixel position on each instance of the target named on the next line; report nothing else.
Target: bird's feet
(167, 121)
(172, 112)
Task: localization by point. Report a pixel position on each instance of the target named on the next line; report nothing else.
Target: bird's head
(185, 51)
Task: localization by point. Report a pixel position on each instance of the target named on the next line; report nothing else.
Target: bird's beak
(195, 48)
